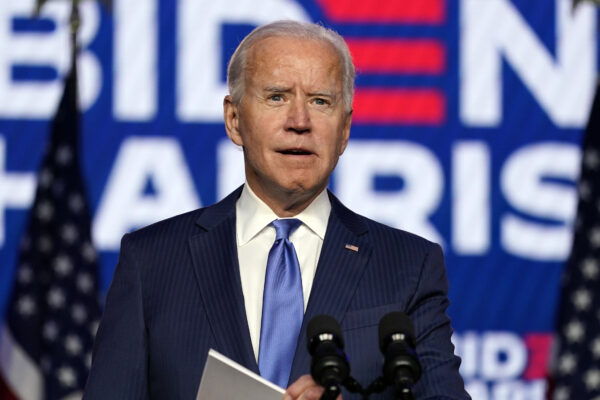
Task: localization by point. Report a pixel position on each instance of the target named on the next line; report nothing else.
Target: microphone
(401, 367)
(329, 365)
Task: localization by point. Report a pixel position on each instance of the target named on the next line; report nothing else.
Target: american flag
(51, 320)
(577, 369)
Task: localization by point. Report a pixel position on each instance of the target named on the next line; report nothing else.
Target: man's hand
(305, 388)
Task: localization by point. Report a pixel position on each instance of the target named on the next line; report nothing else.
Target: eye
(276, 97)
(321, 102)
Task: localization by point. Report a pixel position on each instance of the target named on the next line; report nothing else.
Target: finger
(295, 390)
(312, 393)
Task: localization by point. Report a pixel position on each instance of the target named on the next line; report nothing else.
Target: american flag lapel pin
(352, 247)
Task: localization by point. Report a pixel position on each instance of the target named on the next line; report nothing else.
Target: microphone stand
(377, 386)
(403, 389)
(331, 392)
(404, 393)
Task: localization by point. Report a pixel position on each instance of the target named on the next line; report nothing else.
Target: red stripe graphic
(399, 106)
(538, 345)
(398, 56)
(399, 11)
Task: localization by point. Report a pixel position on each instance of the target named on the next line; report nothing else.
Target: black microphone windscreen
(323, 324)
(395, 322)
(329, 366)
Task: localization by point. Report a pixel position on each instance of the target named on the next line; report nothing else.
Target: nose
(298, 119)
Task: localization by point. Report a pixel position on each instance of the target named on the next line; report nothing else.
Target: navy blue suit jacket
(176, 293)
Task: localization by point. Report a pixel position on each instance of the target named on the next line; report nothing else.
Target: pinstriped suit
(176, 293)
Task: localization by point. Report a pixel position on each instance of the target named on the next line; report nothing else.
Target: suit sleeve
(427, 309)
(119, 366)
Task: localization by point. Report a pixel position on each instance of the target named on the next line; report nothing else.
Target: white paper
(223, 378)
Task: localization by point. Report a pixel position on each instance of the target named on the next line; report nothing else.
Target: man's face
(291, 120)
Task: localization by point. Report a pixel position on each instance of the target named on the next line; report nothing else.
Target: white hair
(301, 30)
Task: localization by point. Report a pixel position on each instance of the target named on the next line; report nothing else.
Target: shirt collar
(253, 215)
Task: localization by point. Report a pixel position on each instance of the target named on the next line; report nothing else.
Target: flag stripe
(17, 367)
(5, 392)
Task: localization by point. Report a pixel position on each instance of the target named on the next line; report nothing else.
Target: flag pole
(74, 22)
(71, 81)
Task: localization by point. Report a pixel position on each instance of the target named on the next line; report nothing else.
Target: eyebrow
(277, 89)
(323, 94)
(282, 89)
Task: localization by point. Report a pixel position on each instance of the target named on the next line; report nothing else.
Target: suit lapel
(214, 254)
(338, 272)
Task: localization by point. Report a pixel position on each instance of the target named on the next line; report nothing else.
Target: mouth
(295, 152)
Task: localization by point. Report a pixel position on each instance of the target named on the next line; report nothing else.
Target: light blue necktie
(283, 306)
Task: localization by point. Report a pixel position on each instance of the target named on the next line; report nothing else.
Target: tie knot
(285, 227)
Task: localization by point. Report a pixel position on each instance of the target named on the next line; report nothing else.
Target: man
(205, 279)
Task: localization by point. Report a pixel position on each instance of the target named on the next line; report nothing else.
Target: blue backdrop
(468, 119)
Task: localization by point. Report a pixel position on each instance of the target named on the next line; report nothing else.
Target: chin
(298, 187)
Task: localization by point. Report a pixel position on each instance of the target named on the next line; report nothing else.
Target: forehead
(289, 57)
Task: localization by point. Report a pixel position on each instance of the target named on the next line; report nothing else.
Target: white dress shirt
(255, 237)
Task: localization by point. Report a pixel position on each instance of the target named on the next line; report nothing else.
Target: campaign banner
(468, 118)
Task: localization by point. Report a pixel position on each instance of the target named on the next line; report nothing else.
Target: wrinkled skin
(291, 121)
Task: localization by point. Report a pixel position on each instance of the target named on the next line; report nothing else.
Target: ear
(232, 120)
(346, 131)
